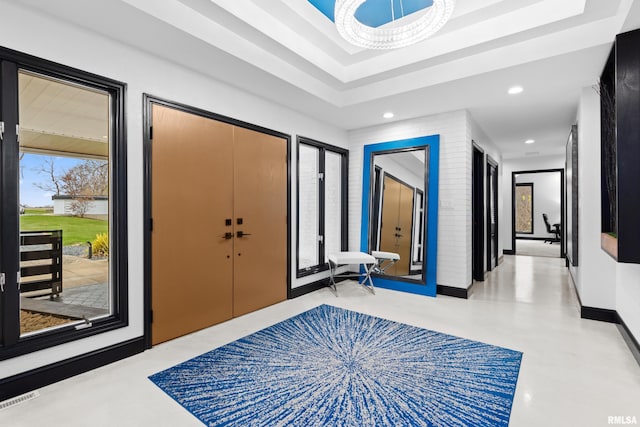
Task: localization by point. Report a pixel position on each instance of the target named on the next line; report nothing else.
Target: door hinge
(150, 132)
(321, 239)
(321, 176)
(150, 316)
(1, 131)
(18, 279)
(2, 282)
(150, 224)
(18, 133)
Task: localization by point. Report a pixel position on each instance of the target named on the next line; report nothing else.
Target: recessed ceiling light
(515, 90)
(388, 115)
(529, 141)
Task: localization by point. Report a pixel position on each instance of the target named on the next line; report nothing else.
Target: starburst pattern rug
(335, 367)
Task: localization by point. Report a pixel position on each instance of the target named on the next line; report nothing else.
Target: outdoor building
(96, 205)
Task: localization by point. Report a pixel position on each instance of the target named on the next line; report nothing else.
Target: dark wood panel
(260, 203)
(192, 181)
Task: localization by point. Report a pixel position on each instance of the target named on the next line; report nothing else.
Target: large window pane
(333, 203)
(308, 202)
(64, 203)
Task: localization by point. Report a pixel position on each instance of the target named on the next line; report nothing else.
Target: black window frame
(323, 148)
(11, 344)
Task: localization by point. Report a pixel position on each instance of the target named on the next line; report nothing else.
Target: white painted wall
(55, 40)
(520, 165)
(595, 276)
(412, 177)
(546, 199)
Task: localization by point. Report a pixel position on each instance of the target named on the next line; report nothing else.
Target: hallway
(574, 372)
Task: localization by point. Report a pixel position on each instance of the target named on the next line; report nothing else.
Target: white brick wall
(454, 215)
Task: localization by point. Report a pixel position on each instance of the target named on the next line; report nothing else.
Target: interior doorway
(492, 213)
(218, 239)
(538, 213)
(478, 213)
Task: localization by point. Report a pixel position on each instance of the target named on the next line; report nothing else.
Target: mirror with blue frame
(399, 215)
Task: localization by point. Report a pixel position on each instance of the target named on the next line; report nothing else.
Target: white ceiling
(62, 119)
(287, 51)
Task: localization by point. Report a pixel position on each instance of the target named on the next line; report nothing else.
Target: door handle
(227, 236)
(242, 234)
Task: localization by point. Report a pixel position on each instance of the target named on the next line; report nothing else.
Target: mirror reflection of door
(397, 209)
(396, 225)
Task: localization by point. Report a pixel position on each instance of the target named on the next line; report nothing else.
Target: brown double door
(397, 223)
(219, 210)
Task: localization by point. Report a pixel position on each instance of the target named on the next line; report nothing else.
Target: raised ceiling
(290, 52)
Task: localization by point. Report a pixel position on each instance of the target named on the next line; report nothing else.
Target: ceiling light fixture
(529, 141)
(515, 90)
(401, 32)
(388, 115)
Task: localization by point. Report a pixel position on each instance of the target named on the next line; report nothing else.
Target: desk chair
(551, 229)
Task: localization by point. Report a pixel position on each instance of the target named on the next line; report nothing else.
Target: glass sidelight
(63, 197)
(322, 204)
(64, 203)
(308, 206)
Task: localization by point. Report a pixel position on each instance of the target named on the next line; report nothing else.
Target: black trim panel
(531, 238)
(312, 287)
(452, 291)
(600, 314)
(508, 252)
(628, 337)
(40, 377)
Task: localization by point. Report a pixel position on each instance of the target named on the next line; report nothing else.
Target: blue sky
(375, 12)
(30, 195)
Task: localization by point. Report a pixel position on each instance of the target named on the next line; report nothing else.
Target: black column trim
(630, 339)
(312, 287)
(624, 330)
(532, 238)
(600, 314)
(508, 252)
(452, 291)
(43, 376)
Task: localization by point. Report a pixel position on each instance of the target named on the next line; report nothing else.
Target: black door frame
(513, 206)
(148, 100)
(492, 164)
(477, 213)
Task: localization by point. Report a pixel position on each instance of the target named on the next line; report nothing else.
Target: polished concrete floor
(574, 372)
(537, 248)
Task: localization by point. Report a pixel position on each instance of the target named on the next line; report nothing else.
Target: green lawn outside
(74, 230)
(38, 211)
